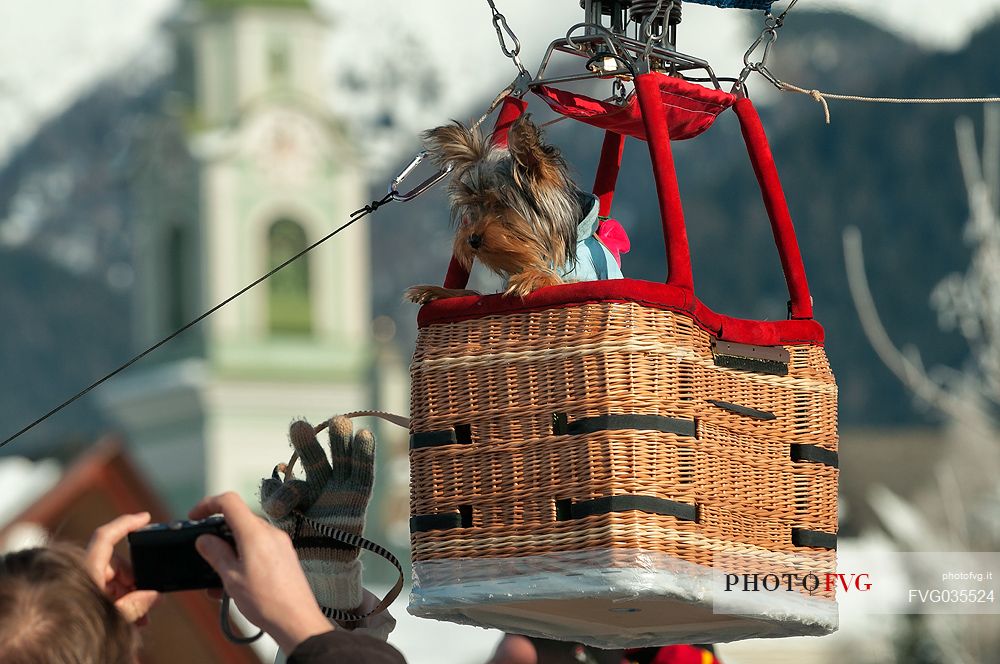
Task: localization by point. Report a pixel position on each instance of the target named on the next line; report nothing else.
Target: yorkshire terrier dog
(517, 211)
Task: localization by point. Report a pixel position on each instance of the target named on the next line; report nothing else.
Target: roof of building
(98, 486)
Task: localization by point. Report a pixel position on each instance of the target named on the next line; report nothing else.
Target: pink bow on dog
(613, 236)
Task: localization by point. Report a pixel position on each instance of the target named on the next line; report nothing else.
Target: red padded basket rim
(646, 293)
(678, 293)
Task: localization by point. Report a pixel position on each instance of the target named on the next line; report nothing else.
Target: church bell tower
(252, 168)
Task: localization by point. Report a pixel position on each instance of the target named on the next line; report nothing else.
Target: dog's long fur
(515, 209)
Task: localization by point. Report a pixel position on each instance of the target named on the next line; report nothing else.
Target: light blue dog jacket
(593, 260)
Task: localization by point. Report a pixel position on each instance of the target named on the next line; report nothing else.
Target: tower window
(289, 306)
(279, 61)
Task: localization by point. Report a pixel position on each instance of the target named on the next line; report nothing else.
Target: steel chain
(646, 30)
(502, 27)
(768, 37)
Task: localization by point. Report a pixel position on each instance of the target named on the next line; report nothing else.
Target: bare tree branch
(965, 480)
(909, 371)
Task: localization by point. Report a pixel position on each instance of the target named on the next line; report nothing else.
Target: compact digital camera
(164, 557)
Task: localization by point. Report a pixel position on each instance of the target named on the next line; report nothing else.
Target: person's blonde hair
(52, 611)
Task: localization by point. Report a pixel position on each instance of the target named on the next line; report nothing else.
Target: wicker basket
(588, 461)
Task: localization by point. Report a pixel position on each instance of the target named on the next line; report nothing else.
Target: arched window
(176, 287)
(289, 306)
(279, 60)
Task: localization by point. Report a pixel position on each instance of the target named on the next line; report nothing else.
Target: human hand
(113, 574)
(262, 574)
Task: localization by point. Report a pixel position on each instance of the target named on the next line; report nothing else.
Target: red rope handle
(671, 211)
(607, 170)
(777, 209)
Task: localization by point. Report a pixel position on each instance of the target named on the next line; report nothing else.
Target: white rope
(822, 97)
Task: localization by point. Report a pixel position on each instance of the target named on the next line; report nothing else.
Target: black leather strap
(744, 410)
(650, 504)
(460, 434)
(422, 523)
(814, 454)
(814, 538)
(420, 440)
(674, 425)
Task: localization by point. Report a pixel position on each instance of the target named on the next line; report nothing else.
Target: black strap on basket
(561, 426)
(816, 539)
(762, 415)
(627, 503)
(815, 454)
(460, 434)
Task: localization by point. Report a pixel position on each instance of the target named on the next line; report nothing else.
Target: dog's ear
(534, 160)
(454, 144)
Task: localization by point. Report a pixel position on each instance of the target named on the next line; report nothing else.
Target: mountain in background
(65, 216)
(60, 331)
(66, 261)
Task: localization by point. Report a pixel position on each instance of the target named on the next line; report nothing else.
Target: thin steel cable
(357, 215)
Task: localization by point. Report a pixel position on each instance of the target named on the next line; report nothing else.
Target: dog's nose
(476, 241)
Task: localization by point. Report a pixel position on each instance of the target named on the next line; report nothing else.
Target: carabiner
(420, 188)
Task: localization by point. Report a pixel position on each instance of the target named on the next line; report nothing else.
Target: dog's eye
(465, 221)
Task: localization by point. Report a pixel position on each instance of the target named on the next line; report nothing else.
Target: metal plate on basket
(759, 359)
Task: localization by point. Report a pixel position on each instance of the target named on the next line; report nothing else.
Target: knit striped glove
(335, 494)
